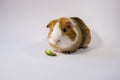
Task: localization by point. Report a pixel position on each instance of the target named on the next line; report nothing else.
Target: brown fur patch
(86, 36)
(51, 26)
(65, 24)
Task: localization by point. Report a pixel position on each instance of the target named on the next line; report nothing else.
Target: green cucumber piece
(50, 53)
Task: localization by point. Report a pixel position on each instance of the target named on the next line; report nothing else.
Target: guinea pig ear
(51, 23)
(75, 18)
(69, 24)
(48, 25)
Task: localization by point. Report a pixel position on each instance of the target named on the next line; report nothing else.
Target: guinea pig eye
(64, 30)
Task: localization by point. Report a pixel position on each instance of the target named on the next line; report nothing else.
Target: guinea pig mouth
(57, 42)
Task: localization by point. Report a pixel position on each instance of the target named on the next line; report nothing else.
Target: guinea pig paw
(83, 47)
(66, 52)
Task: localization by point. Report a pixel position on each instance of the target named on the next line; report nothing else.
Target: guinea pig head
(61, 32)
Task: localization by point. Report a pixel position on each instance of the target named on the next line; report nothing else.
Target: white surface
(23, 36)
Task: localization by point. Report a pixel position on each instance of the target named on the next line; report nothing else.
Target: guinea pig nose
(57, 40)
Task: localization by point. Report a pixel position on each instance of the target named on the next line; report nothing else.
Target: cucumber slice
(50, 53)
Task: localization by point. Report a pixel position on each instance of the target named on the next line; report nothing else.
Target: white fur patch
(56, 34)
(65, 41)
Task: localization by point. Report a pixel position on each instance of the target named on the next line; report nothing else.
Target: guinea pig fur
(66, 35)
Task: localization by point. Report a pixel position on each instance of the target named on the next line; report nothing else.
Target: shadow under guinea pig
(95, 43)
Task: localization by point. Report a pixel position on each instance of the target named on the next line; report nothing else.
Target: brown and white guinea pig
(66, 35)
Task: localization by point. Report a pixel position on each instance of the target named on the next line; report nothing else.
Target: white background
(23, 39)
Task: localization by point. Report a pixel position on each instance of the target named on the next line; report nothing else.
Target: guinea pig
(67, 34)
